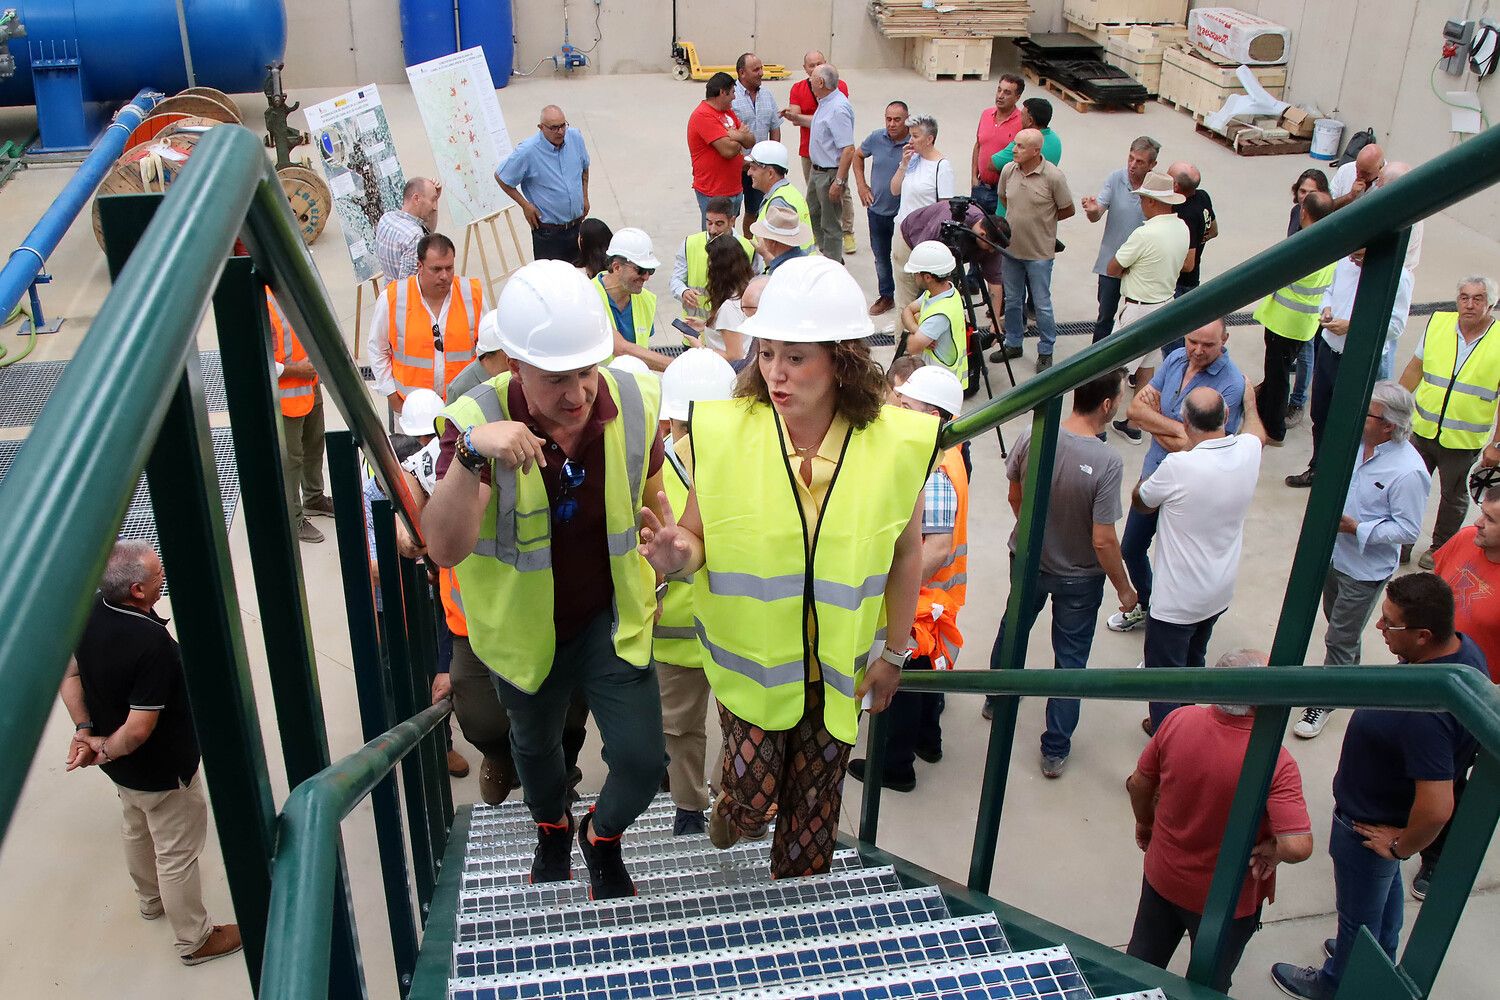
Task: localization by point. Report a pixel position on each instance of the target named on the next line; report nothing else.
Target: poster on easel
(354, 144)
(466, 129)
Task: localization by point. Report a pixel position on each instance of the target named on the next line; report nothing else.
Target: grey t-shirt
(1086, 478)
(1124, 216)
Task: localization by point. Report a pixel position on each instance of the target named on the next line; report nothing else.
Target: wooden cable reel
(310, 200)
(149, 166)
(219, 108)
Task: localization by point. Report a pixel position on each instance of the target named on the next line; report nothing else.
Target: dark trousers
(1274, 394)
(1450, 466)
(1135, 551)
(1172, 645)
(555, 243)
(1160, 925)
(1109, 305)
(1325, 372)
(916, 722)
(882, 231)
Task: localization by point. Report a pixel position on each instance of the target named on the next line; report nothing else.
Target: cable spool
(220, 109)
(150, 166)
(183, 124)
(310, 200)
(153, 126)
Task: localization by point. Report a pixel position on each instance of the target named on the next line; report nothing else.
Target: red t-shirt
(1195, 758)
(803, 100)
(713, 175)
(581, 585)
(994, 137)
(1476, 585)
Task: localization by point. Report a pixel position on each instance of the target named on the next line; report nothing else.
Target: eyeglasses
(554, 128)
(437, 339)
(570, 479)
(1385, 625)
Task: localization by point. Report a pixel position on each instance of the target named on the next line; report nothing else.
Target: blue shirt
(1122, 216)
(1387, 495)
(832, 130)
(624, 317)
(551, 177)
(759, 114)
(884, 154)
(1222, 375)
(777, 261)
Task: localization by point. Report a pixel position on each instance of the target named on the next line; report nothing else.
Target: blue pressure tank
(427, 30)
(487, 24)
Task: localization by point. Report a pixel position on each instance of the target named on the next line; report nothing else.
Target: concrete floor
(1067, 852)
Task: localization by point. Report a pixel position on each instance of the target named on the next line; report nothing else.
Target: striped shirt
(759, 114)
(939, 504)
(396, 238)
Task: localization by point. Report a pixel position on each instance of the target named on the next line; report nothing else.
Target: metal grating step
(24, 388)
(492, 895)
(693, 935)
(954, 939)
(695, 904)
(509, 817)
(494, 843)
(640, 859)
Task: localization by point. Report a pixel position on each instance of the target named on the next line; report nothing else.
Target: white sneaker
(1312, 722)
(1126, 621)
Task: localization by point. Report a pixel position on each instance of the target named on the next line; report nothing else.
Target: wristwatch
(898, 660)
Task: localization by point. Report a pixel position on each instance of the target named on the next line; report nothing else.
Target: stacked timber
(951, 18)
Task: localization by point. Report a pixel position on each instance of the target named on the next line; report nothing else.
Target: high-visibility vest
(453, 602)
(296, 393)
(944, 593)
(412, 362)
(1292, 312)
(642, 312)
(768, 572)
(950, 352)
(695, 248)
(1457, 406)
(507, 580)
(674, 639)
(788, 193)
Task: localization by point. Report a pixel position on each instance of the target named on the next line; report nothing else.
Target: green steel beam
(1371, 976)
(877, 740)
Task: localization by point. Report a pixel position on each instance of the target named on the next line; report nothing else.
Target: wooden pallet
(1175, 106)
(1255, 145)
(1076, 101)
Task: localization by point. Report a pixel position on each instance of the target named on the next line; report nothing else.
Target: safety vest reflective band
(453, 602)
(768, 570)
(949, 586)
(412, 346)
(950, 351)
(674, 637)
(695, 248)
(1457, 406)
(642, 312)
(296, 393)
(507, 581)
(1292, 312)
(788, 193)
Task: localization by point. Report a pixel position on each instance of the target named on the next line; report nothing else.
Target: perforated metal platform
(24, 387)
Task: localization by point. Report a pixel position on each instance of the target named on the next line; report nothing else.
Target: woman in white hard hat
(802, 534)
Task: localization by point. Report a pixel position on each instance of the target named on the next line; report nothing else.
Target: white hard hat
(630, 363)
(931, 257)
(488, 341)
(770, 153)
(935, 386)
(419, 412)
(810, 300)
(635, 246)
(550, 316)
(697, 374)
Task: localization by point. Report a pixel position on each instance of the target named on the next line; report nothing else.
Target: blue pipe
(27, 260)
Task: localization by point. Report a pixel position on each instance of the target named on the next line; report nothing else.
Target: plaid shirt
(396, 238)
(939, 504)
(760, 114)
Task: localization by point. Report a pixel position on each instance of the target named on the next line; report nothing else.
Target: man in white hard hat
(489, 360)
(767, 166)
(935, 324)
(779, 236)
(556, 594)
(629, 263)
(697, 374)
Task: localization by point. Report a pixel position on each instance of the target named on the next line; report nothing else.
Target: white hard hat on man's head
(550, 316)
(697, 374)
(931, 257)
(811, 300)
(635, 246)
(935, 386)
(488, 340)
(419, 411)
(770, 153)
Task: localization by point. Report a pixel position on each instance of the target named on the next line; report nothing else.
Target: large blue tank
(427, 30)
(487, 23)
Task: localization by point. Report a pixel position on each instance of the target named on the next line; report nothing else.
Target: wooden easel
(376, 283)
(475, 235)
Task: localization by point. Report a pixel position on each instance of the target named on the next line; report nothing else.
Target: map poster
(359, 159)
(456, 98)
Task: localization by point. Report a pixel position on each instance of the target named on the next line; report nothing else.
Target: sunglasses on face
(571, 478)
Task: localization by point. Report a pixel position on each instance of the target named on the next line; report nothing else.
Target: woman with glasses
(802, 535)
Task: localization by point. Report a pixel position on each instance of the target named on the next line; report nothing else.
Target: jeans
(1109, 305)
(1159, 926)
(1172, 645)
(1367, 892)
(986, 198)
(882, 230)
(704, 199)
(1347, 604)
(1304, 373)
(1019, 276)
(1274, 394)
(1075, 611)
(1325, 371)
(916, 722)
(1450, 466)
(1135, 549)
(556, 243)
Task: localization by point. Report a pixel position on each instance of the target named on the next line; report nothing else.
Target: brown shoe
(457, 765)
(495, 781)
(307, 533)
(223, 940)
(882, 306)
(320, 506)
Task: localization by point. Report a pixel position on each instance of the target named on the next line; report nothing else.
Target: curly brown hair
(860, 385)
(729, 272)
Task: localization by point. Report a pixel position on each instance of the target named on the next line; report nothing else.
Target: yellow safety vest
(1457, 406)
(642, 312)
(1292, 312)
(674, 640)
(696, 250)
(788, 193)
(507, 581)
(949, 352)
(768, 571)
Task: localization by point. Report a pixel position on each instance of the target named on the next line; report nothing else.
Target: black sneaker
(689, 823)
(1132, 433)
(554, 852)
(905, 783)
(1422, 882)
(1005, 353)
(1300, 481)
(608, 878)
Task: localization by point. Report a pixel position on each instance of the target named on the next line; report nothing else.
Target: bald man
(1197, 211)
(1357, 176)
(802, 103)
(399, 230)
(1394, 171)
(1036, 198)
(548, 176)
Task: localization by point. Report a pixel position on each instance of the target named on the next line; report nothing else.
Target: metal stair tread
(524, 835)
(493, 818)
(517, 870)
(483, 810)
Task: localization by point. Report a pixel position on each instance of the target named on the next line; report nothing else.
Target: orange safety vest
(296, 393)
(453, 604)
(941, 597)
(410, 332)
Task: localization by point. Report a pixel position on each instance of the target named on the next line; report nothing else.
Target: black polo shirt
(127, 660)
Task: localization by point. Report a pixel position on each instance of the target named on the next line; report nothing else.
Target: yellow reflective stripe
(1452, 424)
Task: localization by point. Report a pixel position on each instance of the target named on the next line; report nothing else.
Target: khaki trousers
(906, 284)
(684, 718)
(304, 455)
(164, 833)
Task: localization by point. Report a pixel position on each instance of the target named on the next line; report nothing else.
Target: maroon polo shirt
(581, 584)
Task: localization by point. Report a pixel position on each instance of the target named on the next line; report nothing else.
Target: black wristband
(82, 726)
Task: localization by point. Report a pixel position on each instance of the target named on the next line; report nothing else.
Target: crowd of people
(572, 476)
